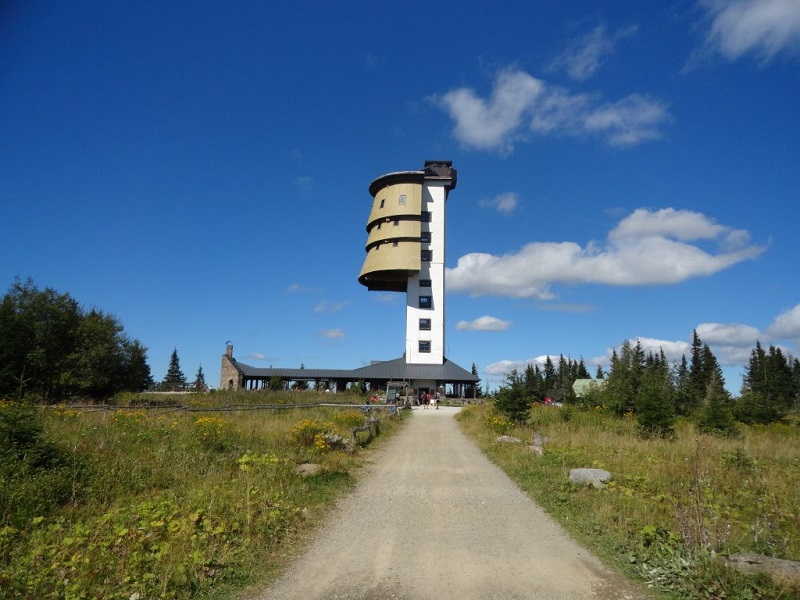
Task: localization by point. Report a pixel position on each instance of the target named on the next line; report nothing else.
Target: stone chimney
(230, 378)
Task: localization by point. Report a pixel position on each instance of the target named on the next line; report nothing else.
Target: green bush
(36, 475)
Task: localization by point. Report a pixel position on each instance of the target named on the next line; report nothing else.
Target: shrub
(498, 423)
(305, 432)
(37, 475)
(212, 432)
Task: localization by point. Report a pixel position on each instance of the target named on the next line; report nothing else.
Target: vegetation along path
(436, 519)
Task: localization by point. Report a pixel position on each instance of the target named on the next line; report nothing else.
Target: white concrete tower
(406, 251)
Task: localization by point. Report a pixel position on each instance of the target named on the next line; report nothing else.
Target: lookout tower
(405, 251)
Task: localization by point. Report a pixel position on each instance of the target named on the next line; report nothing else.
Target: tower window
(426, 256)
(424, 283)
(424, 346)
(424, 324)
(425, 237)
(425, 301)
(396, 222)
(402, 198)
(383, 202)
(394, 243)
(425, 216)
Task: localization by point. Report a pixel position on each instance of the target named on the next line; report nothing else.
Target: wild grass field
(674, 507)
(155, 502)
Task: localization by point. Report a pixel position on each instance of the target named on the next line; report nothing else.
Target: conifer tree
(199, 384)
(174, 380)
(684, 399)
(655, 408)
(769, 388)
(716, 417)
(512, 400)
(474, 390)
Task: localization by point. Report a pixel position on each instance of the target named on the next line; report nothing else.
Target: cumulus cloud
(646, 248)
(586, 54)
(485, 323)
(729, 334)
(673, 350)
(786, 325)
(336, 334)
(494, 123)
(504, 367)
(503, 203)
(764, 28)
(521, 105)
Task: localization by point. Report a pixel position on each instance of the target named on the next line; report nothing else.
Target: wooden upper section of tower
(399, 227)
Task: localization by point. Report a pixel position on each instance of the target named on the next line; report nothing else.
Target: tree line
(53, 349)
(645, 385)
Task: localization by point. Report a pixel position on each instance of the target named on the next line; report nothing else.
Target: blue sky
(200, 170)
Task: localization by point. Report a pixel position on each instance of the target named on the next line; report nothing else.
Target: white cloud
(492, 124)
(324, 306)
(504, 367)
(520, 105)
(683, 225)
(503, 203)
(673, 350)
(764, 28)
(260, 356)
(786, 325)
(646, 248)
(485, 323)
(586, 54)
(333, 333)
(294, 288)
(630, 121)
(385, 298)
(728, 334)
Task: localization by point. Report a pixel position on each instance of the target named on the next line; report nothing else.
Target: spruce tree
(512, 400)
(174, 380)
(475, 388)
(199, 384)
(684, 399)
(655, 413)
(716, 417)
(769, 389)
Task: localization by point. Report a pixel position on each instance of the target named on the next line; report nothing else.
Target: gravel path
(435, 519)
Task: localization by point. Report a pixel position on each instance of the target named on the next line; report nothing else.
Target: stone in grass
(508, 439)
(777, 568)
(308, 469)
(596, 478)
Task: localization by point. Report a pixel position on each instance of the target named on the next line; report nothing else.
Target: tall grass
(673, 506)
(176, 504)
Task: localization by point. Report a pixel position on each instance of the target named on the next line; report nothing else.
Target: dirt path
(434, 519)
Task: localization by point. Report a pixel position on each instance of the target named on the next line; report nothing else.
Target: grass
(674, 507)
(173, 504)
